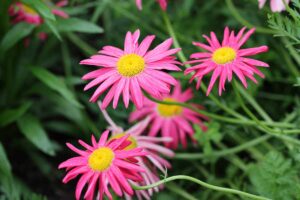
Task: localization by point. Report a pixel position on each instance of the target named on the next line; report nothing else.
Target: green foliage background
(42, 103)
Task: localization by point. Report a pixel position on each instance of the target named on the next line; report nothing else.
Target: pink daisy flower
(132, 70)
(226, 58)
(173, 121)
(23, 13)
(151, 145)
(276, 5)
(102, 164)
(163, 4)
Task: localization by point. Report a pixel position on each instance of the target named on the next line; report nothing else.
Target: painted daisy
(23, 13)
(226, 58)
(150, 144)
(163, 4)
(102, 164)
(173, 121)
(132, 70)
(276, 5)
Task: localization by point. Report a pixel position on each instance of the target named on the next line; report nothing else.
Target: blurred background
(43, 106)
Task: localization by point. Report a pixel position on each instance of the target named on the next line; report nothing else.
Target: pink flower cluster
(134, 72)
(24, 13)
(135, 155)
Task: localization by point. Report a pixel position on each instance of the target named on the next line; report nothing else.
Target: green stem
(176, 189)
(292, 51)
(254, 104)
(204, 184)
(87, 49)
(234, 159)
(234, 150)
(244, 22)
(253, 117)
(215, 116)
(292, 68)
(256, 154)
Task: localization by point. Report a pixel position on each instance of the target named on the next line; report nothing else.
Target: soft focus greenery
(42, 103)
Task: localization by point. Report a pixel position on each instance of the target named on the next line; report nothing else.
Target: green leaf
(205, 138)
(41, 7)
(298, 82)
(275, 177)
(78, 25)
(45, 11)
(11, 115)
(31, 127)
(55, 84)
(15, 34)
(5, 168)
(53, 28)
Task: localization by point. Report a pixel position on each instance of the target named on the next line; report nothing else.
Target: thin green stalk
(67, 64)
(234, 159)
(253, 117)
(215, 116)
(204, 184)
(178, 190)
(234, 150)
(138, 21)
(292, 50)
(256, 154)
(244, 22)
(99, 10)
(87, 49)
(292, 68)
(254, 104)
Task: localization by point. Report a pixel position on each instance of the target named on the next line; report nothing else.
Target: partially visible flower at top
(276, 5)
(102, 164)
(150, 144)
(226, 58)
(132, 70)
(171, 120)
(163, 4)
(23, 13)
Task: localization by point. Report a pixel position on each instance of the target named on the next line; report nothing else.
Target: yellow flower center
(169, 110)
(29, 10)
(224, 55)
(130, 65)
(130, 138)
(101, 159)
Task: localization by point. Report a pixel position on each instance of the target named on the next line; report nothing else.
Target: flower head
(276, 5)
(132, 70)
(226, 58)
(151, 145)
(24, 13)
(172, 120)
(163, 4)
(102, 164)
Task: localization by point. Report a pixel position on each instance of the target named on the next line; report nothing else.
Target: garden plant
(152, 99)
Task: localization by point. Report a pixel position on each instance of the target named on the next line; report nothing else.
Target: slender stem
(86, 48)
(176, 189)
(244, 22)
(256, 154)
(292, 51)
(204, 184)
(292, 68)
(107, 117)
(234, 150)
(254, 104)
(217, 117)
(234, 159)
(253, 117)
